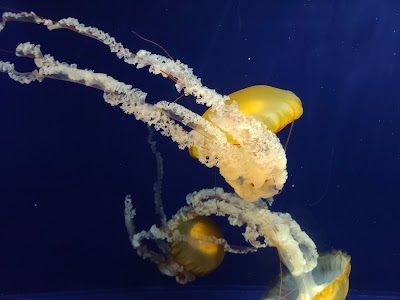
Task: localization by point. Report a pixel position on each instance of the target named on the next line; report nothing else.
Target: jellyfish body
(329, 280)
(275, 108)
(255, 163)
(195, 251)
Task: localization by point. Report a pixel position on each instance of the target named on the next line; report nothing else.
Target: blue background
(67, 159)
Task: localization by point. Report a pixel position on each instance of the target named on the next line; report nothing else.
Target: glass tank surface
(199, 149)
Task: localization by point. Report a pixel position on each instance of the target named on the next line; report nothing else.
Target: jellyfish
(308, 276)
(237, 135)
(256, 169)
(188, 250)
(328, 280)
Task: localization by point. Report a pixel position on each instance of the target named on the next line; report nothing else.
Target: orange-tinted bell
(196, 254)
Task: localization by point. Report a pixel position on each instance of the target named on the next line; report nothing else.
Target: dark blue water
(67, 159)
(181, 293)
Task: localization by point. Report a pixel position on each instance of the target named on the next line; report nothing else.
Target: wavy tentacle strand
(130, 100)
(158, 64)
(157, 186)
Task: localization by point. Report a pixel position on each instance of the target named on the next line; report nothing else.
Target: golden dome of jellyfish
(238, 137)
(196, 253)
(273, 107)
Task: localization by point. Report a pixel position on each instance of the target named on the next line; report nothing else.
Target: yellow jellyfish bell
(328, 281)
(274, 107)
(196, 252)
(337, 266)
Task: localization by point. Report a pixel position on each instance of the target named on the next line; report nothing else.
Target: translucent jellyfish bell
(276, 108)
(329, 280)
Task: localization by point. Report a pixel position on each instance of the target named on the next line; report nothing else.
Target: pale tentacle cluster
(255, 169)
